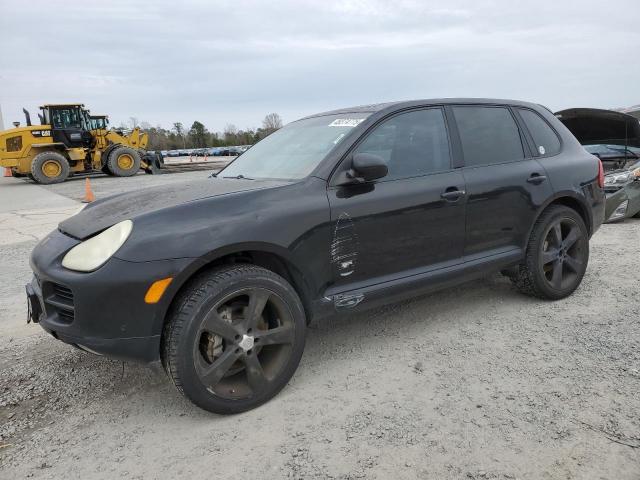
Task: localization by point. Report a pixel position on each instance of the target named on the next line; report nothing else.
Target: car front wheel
(556, 257)
(234, 338)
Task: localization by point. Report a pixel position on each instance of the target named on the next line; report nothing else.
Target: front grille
(59, 301)
(65, 316)
(63, 292)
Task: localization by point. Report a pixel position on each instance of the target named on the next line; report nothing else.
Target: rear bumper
(102, 311)
(595, 197)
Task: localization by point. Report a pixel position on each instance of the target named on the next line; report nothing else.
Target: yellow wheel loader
(116, 153)
(65, 143)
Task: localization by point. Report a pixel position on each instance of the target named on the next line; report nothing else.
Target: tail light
(600, 174)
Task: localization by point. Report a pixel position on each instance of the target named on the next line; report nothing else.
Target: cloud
(235, 61)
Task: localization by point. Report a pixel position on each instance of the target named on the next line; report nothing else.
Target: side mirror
(365, 167)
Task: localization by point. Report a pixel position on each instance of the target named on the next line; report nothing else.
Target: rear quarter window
(545, 138)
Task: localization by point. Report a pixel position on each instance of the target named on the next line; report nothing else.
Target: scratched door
(400, 224)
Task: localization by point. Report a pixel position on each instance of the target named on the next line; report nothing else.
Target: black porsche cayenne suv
(333, 213)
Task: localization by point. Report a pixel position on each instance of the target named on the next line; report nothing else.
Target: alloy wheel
(243, 343)
(563, 255)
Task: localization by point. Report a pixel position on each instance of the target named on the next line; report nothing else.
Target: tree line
(178, 137)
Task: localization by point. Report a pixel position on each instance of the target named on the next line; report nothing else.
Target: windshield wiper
(240, 177)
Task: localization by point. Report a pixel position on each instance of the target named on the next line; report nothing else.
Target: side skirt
(384, 290)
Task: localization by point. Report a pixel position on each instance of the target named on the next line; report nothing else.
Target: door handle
(536, 178)
(452, 194)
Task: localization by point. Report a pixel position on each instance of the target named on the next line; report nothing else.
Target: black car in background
(332, 214)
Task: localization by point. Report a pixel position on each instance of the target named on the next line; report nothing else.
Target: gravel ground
(478, 382)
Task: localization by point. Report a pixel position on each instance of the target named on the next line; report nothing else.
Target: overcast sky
(234, 61)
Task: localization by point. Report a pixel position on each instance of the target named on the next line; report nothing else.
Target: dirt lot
(478, 382)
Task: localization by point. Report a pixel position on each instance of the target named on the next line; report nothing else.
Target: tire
(555, 260)
(210, 345)
(50, 167)
(123, 162)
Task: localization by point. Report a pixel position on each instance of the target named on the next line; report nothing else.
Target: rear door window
(546, 140)
(489, 135)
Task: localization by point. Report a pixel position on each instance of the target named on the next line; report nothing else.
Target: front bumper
(102, 311)
(630, 193)
(615, 199)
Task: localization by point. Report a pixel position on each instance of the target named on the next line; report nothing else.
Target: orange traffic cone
(7, 172)
(88, 194)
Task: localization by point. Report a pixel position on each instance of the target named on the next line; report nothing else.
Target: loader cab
(69, 124)
(99, 122)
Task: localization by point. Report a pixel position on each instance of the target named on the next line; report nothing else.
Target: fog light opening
(620, 211)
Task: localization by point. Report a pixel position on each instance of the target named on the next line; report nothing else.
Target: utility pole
(1, 122)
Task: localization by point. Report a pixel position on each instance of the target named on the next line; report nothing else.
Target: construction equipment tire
(123, 162)
(50, 167)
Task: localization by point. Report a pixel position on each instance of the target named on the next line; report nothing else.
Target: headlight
(94, 252)
(618, 178)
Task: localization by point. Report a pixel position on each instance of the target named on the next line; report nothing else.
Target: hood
(596, 126)
(101, 214)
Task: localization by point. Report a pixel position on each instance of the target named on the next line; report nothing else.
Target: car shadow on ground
(64, 376)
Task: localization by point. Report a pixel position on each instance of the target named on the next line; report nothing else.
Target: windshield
(295, 150)
(98, 123)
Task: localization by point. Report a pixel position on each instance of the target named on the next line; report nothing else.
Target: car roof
(377, 107)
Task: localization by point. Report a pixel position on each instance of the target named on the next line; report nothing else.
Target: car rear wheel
(234, 338)
(556, 257)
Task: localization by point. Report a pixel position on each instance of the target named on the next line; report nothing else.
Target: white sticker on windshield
(346, 122)
(541, 150)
